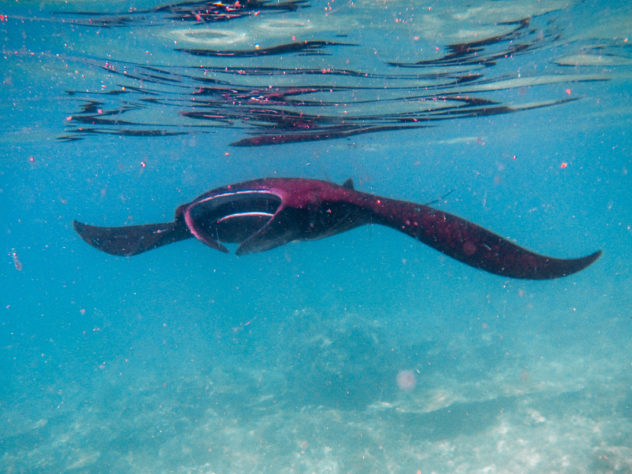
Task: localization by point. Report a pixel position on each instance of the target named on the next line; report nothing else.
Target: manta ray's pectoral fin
(133, 239)
(472, 244)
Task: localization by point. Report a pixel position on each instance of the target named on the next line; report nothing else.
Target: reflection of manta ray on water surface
(266, 213)
(282, 77)
(194, 12)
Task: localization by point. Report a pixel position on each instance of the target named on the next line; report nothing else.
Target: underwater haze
(366, 351)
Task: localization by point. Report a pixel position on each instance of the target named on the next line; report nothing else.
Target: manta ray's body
(265, 213)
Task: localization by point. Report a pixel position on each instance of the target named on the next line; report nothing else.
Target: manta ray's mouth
(231, 217)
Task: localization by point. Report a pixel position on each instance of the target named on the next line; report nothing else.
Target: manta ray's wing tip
(592, 257)
(564, 267)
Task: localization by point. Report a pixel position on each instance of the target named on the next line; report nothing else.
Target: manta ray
(265, 213)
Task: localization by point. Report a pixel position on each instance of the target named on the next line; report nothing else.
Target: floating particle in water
(406, 380)
(16, 260)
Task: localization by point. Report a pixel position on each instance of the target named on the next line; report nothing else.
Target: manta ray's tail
(131, 240)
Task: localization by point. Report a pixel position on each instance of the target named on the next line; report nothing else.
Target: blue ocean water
(362, 352)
